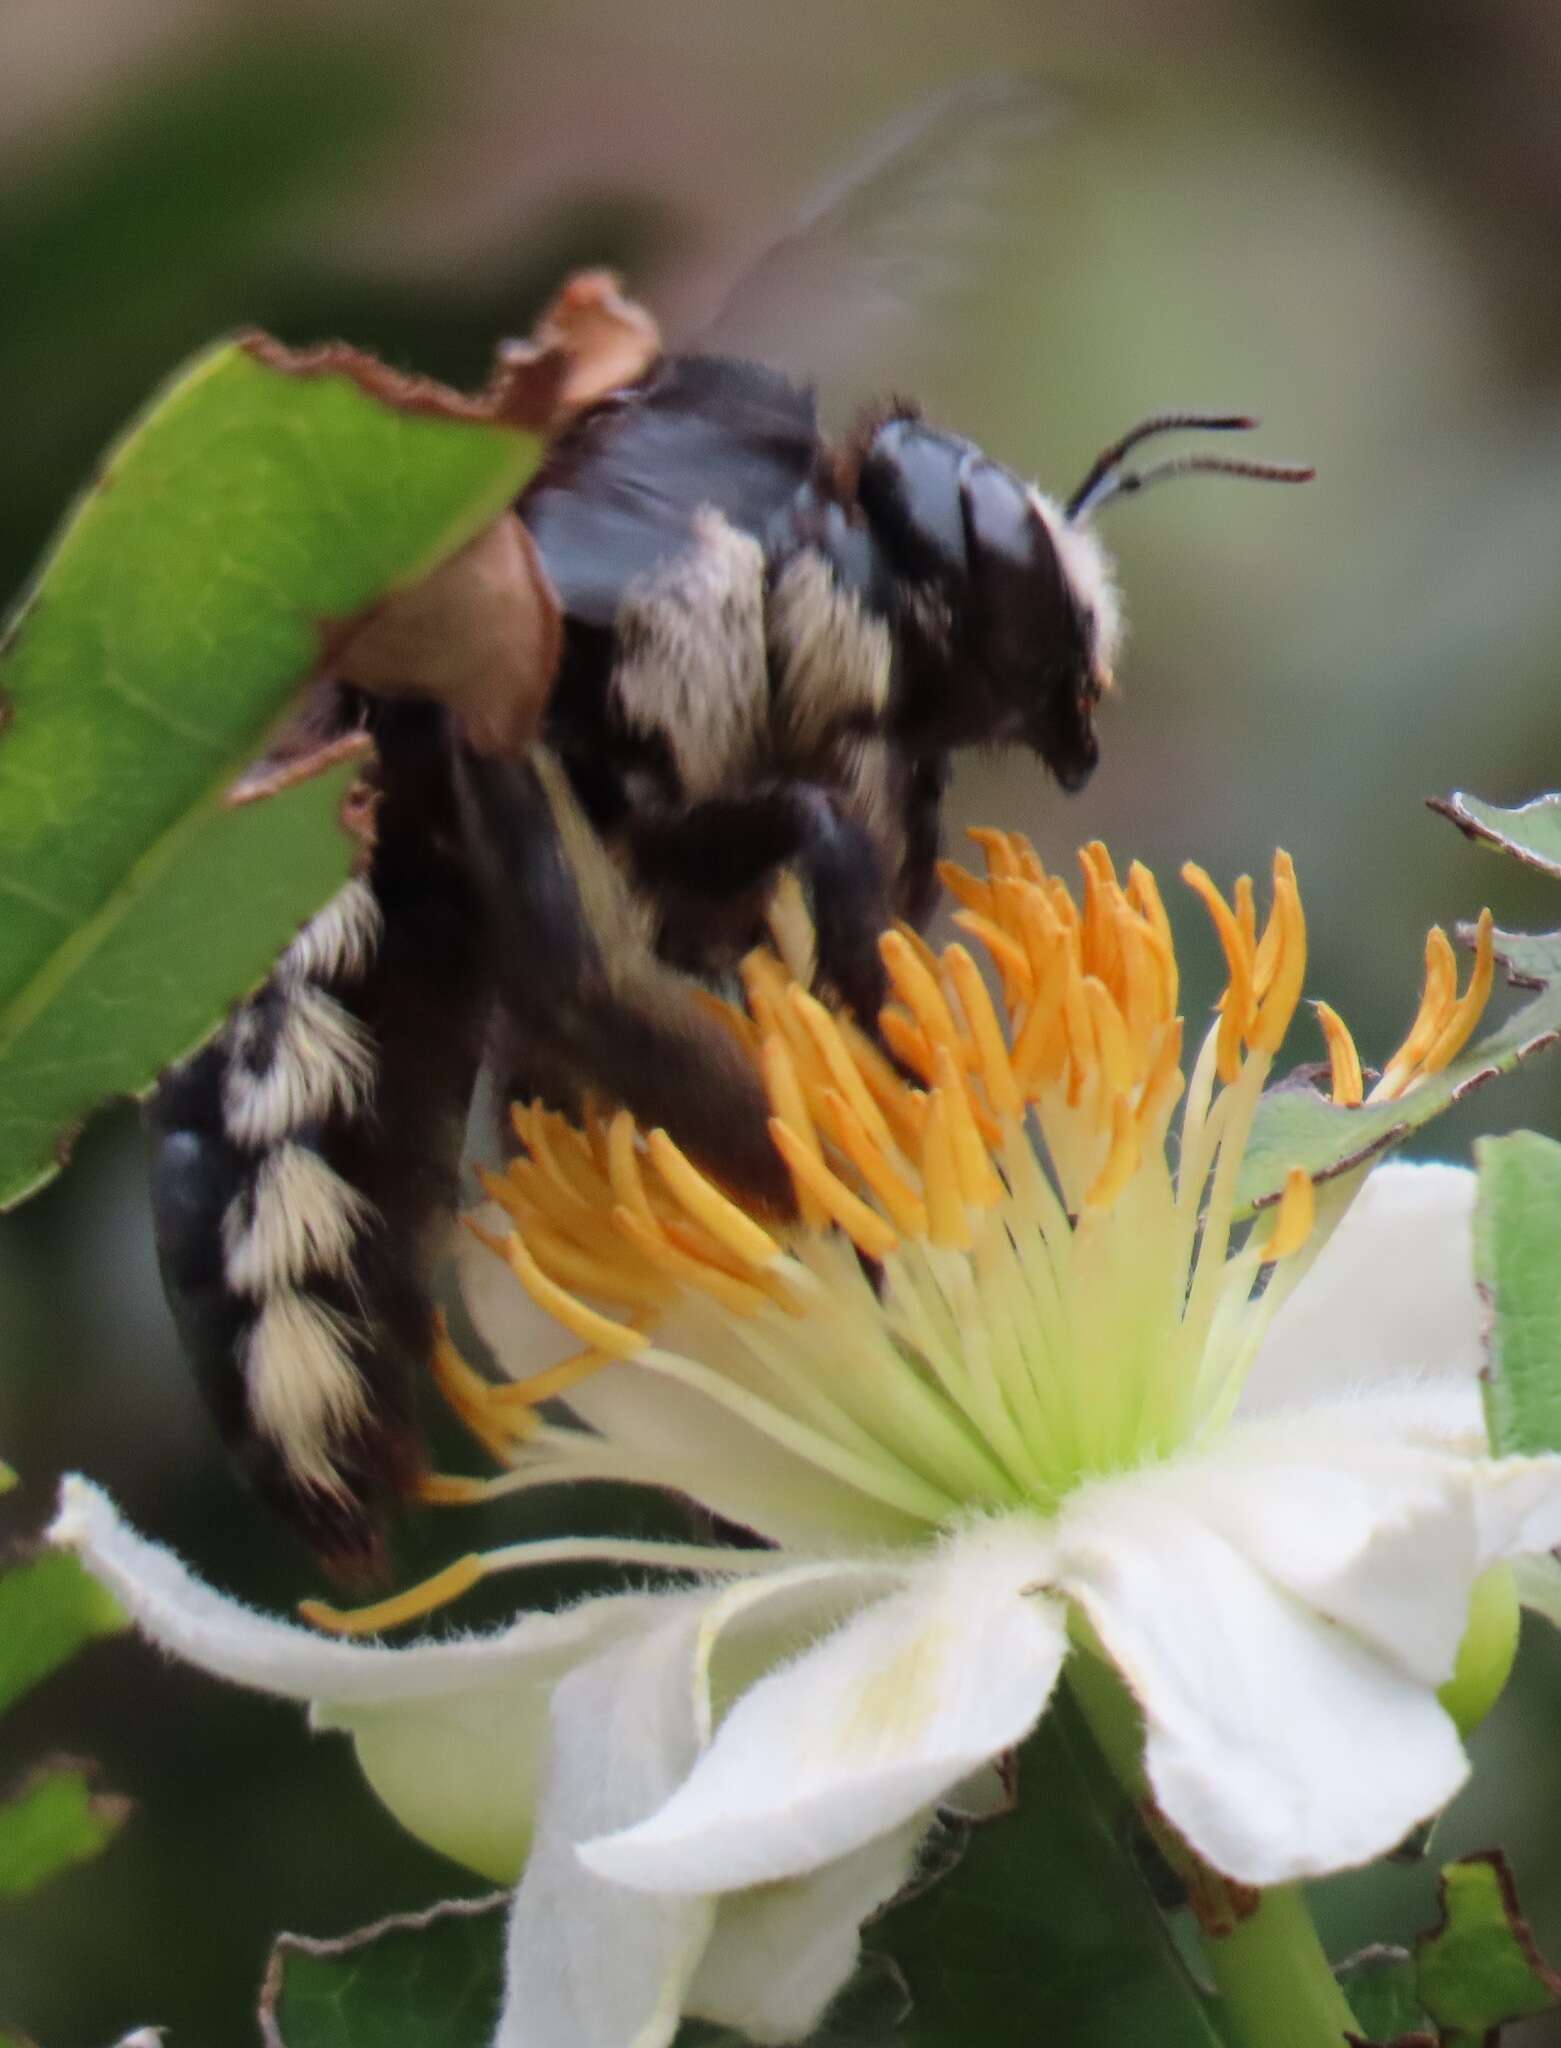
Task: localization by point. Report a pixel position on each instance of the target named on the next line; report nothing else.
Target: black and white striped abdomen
(306, 1159)
(259, 1234)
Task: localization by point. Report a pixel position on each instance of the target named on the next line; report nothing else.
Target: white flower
(1061, 1414)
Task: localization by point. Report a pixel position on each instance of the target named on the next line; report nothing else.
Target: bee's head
(1028, 612)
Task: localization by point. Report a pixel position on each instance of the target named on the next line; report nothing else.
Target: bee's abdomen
(301, 1163)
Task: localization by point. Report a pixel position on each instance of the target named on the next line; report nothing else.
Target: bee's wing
(924, 206)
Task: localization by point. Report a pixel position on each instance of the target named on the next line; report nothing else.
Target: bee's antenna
(1106, 480)
(1123, 483)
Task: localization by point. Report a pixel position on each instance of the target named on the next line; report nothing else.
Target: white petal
(1277, 1742)
(690, 1444)
(1378, 1535)
(591, 1965)
(781, 1952)
(1392, 1294)
(448, 1733)
(863, 1731)
(1519, 1506)
(703, 1450)
(192, 1620)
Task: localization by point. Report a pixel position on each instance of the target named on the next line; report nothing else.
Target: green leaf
(54, 1822)
(1381, 1986)
(1297, 1126)
(1046, 1928)
(1517, 1232)
(49, 1607)
(1479, 1968)
(409, 1980)
(1531, 833)
(261, 506)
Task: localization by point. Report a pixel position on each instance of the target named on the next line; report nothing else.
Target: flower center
(1003, 1276)
(998, 1281)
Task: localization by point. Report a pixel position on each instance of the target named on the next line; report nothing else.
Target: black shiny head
(1031, 614)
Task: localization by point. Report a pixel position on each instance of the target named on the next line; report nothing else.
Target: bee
(775, 639)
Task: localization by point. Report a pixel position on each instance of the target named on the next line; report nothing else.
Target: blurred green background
(1341, 214)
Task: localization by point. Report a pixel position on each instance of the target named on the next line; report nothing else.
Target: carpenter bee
(774, 640)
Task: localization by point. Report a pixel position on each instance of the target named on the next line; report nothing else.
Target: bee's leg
(730, 844)
(586, 1004)
(306, 1159)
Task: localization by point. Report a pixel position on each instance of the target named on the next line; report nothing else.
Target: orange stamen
(1348, 1082)
(435, 1592)
(1296, 1216)
(863, 1225)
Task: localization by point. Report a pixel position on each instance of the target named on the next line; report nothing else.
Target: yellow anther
(786, 1099)
(906, 1210)
(1098, 934)
(1436, 1003)
(1029, 911)
(565, 1157)
(1007, 954)
(1040, 1048)
(1296, 1215)
(907, 1043)
(443, 1587)
(1348, 1083)
(1031, 868)
(1287, 921)
(1143, 892)
(904, 1108)
(1122, 1157)
(500, 1188)
(829, 1040)
(948, 1224)
(916, 984)
(1244, 903)
(469, 1398)
(967, 888)
(1098, 856)
(978, 1182)
(1236, 1005)
(601, 1332)
(1163, 1086)
(608, 1268)
(1113, 1051)
(918, 946)
(1140, 993)
(995, 1069)
(864, 1226)
(623, 1166)
(725, 1222)
(1002, 861)
(1080, 1028)
(1470, 1006)
(679, 1264)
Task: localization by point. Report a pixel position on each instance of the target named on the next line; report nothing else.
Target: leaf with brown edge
(1530, 832)
(414, 1977)
(1479, 1968)
(262, 508)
